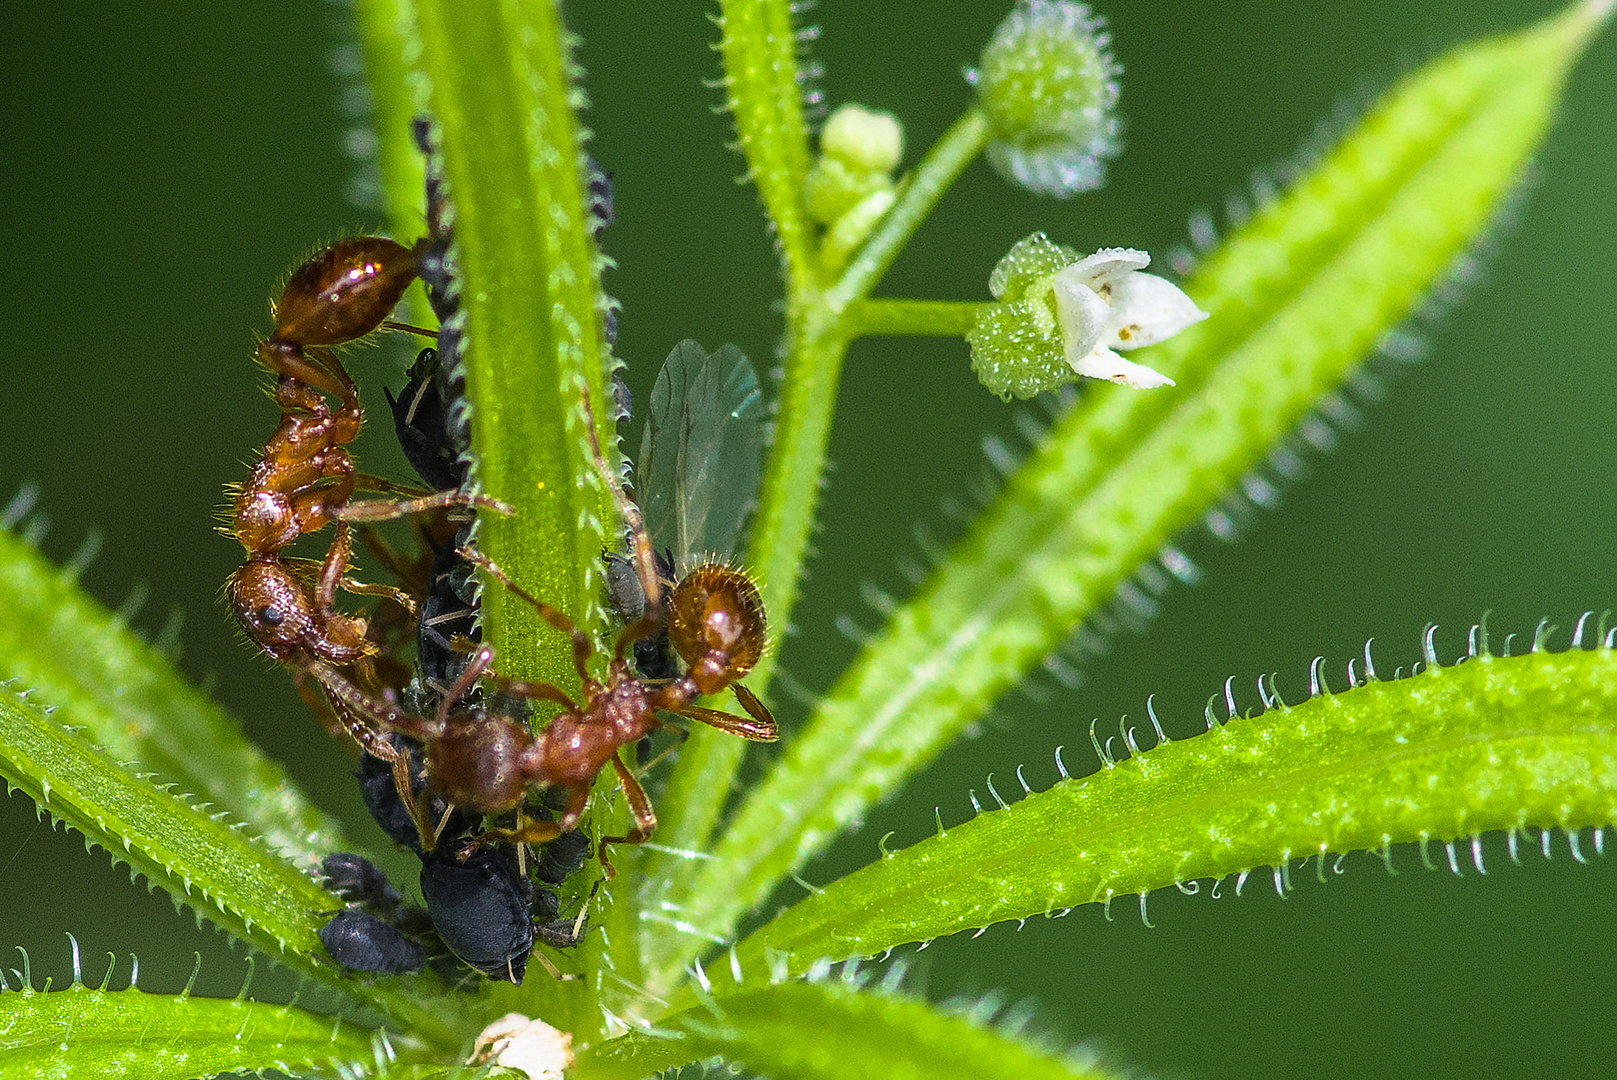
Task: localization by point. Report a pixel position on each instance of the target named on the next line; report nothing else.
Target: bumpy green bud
(1062, 316)
(850, 185)
(843, 238)
(867, 140)
(1048, 85)
(1016, 346)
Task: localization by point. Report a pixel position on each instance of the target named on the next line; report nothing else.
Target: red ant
(306, 476)
(487, 761)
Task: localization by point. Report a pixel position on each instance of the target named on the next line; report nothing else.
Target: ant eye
(270, 615)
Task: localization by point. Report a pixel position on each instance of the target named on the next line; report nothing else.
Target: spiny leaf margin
(1448, 754)
(831, 1031)
(71, 651)
(199, 858)
(110, 1034)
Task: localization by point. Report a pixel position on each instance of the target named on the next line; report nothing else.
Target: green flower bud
(1016, 347)
(867, 140)
(1048, 85)
(834, 187)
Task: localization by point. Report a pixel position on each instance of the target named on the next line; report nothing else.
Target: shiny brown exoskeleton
(487, 762)
(306, 476)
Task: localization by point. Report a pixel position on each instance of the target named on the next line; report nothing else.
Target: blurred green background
(169, 163)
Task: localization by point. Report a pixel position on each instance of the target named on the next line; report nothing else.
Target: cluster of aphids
(451, 766)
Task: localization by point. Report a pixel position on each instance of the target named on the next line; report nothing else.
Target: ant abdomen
(717, 625)
(344, 291)
(477, 762)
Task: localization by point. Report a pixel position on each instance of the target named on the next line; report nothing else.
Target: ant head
(716, 623)
(278, 612)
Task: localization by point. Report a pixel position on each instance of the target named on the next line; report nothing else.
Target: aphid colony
(453, 765)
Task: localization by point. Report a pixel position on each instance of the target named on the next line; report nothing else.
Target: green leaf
(506, 93)
(503, 90)
(198, 857)
(830, 1032)
(392, 49)
(1298, 298)
(129, 700)
(1449, 754)
(106, 1035)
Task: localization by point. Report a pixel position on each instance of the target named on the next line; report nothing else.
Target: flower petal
(1106, 265)
(1103, 363)
(1147, 309)
(1082, 314)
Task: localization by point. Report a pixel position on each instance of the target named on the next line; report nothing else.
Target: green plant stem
(909, 318)
(817, 340)
(958, 147)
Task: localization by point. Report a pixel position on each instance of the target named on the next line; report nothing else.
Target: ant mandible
(306, 477)
(487, 761)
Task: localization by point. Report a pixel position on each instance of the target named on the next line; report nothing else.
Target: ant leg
(373, 742)
(286, 359)
(581, 644)
(755, 729)
(332, 567)
(755, 708)
(323, 712)
(347, 696)
(371, 482)
(645, 818)
(404, 785)
(535, 691)
(397, 595)
(528, 832)
(390, 324)
(475, 667)
(387, 509)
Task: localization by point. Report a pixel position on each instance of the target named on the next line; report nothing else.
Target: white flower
(1104, 303)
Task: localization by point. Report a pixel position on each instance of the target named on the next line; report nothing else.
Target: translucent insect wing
(700, 453)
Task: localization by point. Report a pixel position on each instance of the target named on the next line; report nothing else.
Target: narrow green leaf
(195, 855)
(1298, 298)
(75, 654)
(761, 90)
(1449, 754)
(105, 1035)
(505, 90)
(831, 1032)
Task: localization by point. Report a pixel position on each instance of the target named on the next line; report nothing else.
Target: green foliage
(1297, 298)
(83, 1031)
